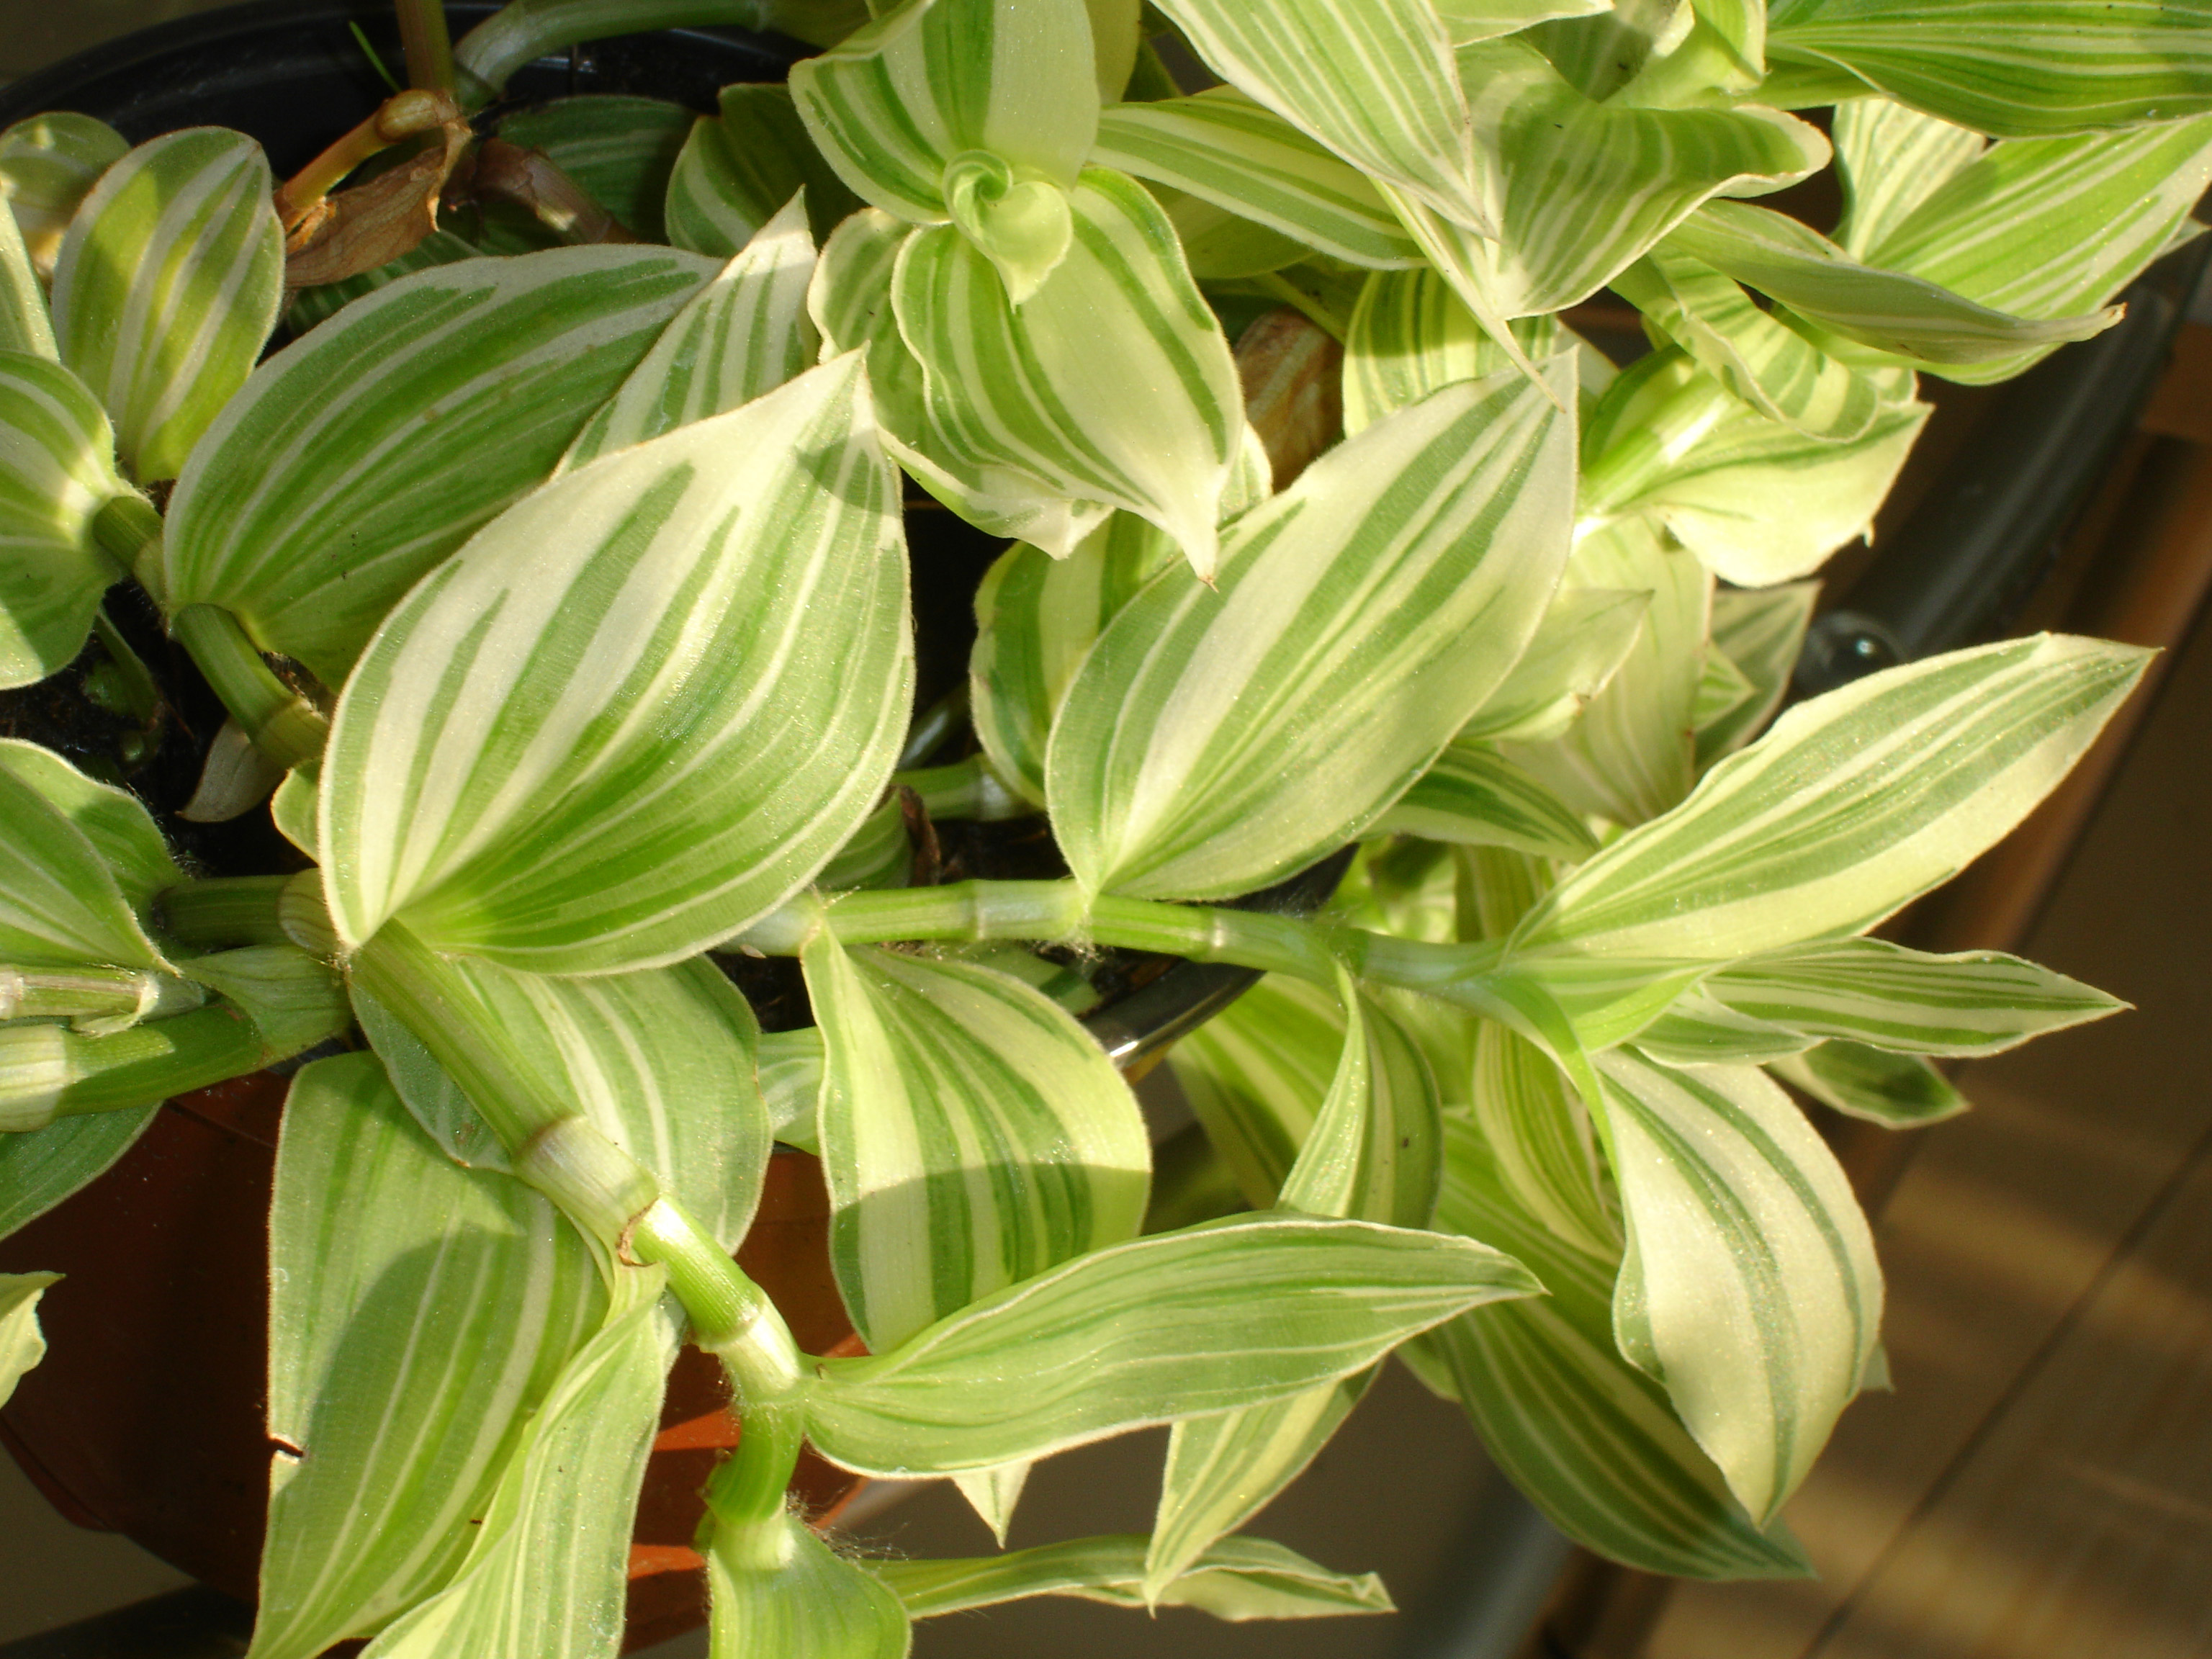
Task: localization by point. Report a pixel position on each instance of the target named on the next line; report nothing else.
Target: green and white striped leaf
(1699, 1030)
(25, 323)
(2017, 69)
(879, 855)
(1722, 690)
(1760, 633)
(620, 149)
(1467, 22)
(2049, 226)
(21, 1345)
(1220, 247)
(1889, 159)
(894, 105)
(973, 1135)
(1373, 1154)
(1238, 1578)
(547, 1576)
(1588, 187)
(311, 305)
(738, 169)
(1475, 797)
(1590, 1438)
(60, 905)
(512, 808)
(166, 285)
(1603, 54)
(49, 164)
(1582, 641)
(791, 1068)
(1854, 803)
(57, 471)
(1256, 1075)
(1217, 738)
(812, 1603)
(683, 1104)
(1540, 1137)
(1868, 990)
(1412, 334)
(1628, 758)
(1036, 617)
(1899, 1091)
(1022, 400)
(359, 457)
(743, 334)
(420, 1313)
(1229, 150)
(1905, 316)
(1375, 83)
(1214, 1318)
(1764, 362)
(39, 1170)
(114, 820)
(1750, 1287)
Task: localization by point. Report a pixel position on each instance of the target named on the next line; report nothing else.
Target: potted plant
(560, 596)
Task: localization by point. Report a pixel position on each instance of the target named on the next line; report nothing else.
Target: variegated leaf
(1868, 990)
(1906, 317)
(1889, 159)
(1852, 803)
(1468, 20)
(1021, 400)
(1475, 797)
(789, 1593)
(620, 149)
(1219, 246)
(1579, 646)
(1540, 1137)
(1412, 334)
(743, 334)
(1036, 617)
(60, 905)
(1590, 1438)
(511, 808)
(894, 105)
(1750, 1287)
(57, 471)
(685, 1105)
(880, 853)
(38, 1171)
(2013, 68)
(1217, 738)
(49, 164)
(1374, 83)
(2050, 227)
(791, 1067)
(317, 304)
(1230, 1314)
(1628, 758)
(166, 285)
(419, 1314)
(22, 1345)
(1222, 147)
(1238, 1578)
(359, 457)
(25, 323)
(1602, 54)
(738, 169)
(1899, 1092)
(1256, 1075)
(546, 1577)
(1761, 632)
(1699, 1030)
(973, 1135)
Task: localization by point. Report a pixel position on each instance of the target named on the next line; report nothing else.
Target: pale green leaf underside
(812, 1602)
(166, 285)
(60, 905)
(1761, 633)
(357, 458)
(39, 1170)
(519, 809)
(419, 1313)
(49, 164)
(1899, 1091)
(972, 1134)
(1176, 1324)
(115, 820)
(1585, 635)
(1750, 1287)
(1238, 1578)
(57, 471)
(1592, 1440)
(21, 1346)
(1217, 738)
(1849, 805)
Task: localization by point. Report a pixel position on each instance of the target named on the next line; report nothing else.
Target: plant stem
(283, 724)
(429, 50)
(403, 115)
(226, 910)
(129, 530)
(48, 1071)
(524, 30)
(132, 679)
(746, 1497)
(93, 993)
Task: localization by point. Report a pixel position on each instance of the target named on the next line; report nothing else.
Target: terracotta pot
(146, 1416)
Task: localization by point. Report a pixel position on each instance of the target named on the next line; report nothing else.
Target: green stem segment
(129, 530)
(48, 1071)
(283, 724)
(429, 50)
(226, 911)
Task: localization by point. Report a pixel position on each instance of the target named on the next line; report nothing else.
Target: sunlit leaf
(738, 169)
(25, 323)
(1761, 632)
(1217, 738)
(48, 165)
(359, 457)
(1889, 159)
(1412, 334)
(1899, 1091)
(1853, 803)
(21, 1345)
(1468, 20)
(973, 1135)
(166, 285)
(1584, 637)
(419, 1312)
(57, 471)
(1180, 1324)
(1540, 1136)
(60, 905)
(803, 1601)
(1475, 797)
(514, 809)
(1238, 1578)
(316, 304)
